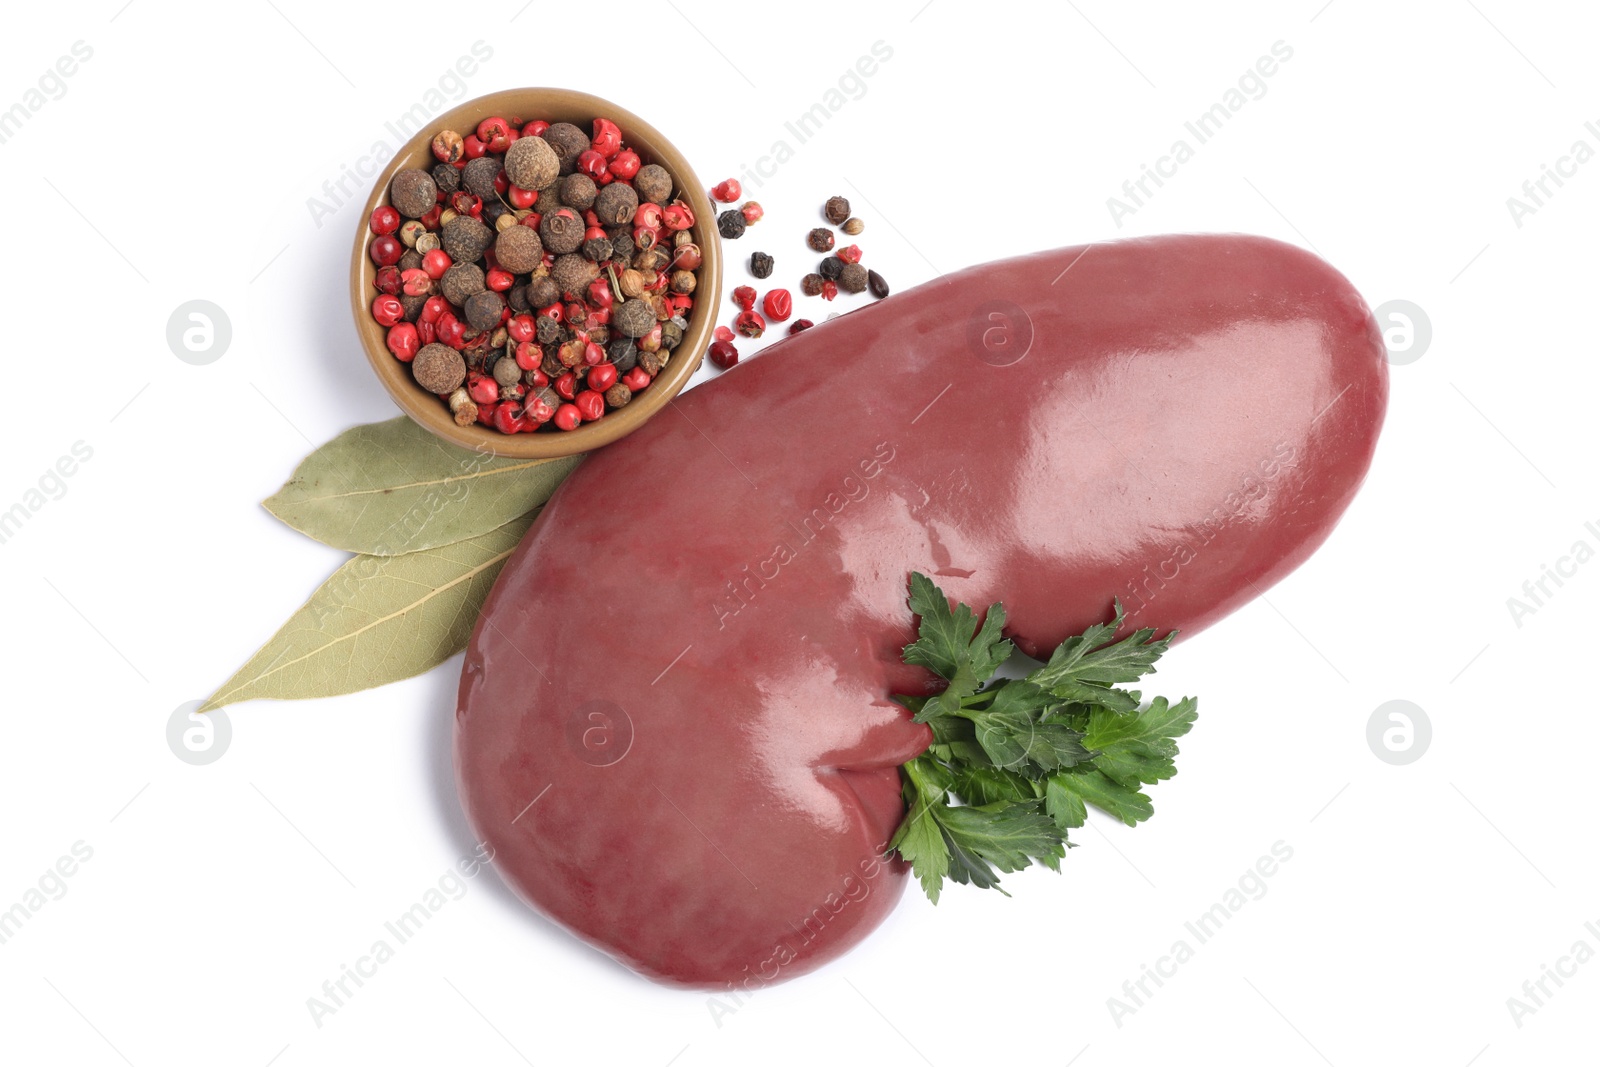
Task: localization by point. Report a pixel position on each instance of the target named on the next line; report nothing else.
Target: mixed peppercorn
(841, 270)
(537, 275)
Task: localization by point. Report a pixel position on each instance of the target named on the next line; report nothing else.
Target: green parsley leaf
(1015, 763)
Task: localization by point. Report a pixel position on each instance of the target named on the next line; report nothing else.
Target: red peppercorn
(778, 305)
(603, 377)
(495, 133)
(486, 414)
(637, 379)
(677, 216)
(451, 331)
(538, 412)
(388, 310)
(502, 184)
(745, 297)
(566, 386)
(499, 280)
(554, 311)
(624, 165)
(532, 218)
(593, 233)
(600, 295)
(431, 219)
(520, 198)
(436, 306)
(483, 389)
(750, 324)
(593, 354)
(591, 221)
(520, 329)
(647, 216)
(535, 128)
(387, 280)
(403, 341)
(850, 253)
(567, 417)
(727, 191)
(447, 146)
(607, 139)
(592, 163)
(529, 355)
(385, 219)
(386, 250)
(722, 333)
(464, 203)
(800, 326)
(830, 290)
(590, 404)
(752, 212)
(508, 416)
(472, 147)
(436, 262)
(415, 282)
(723, 354)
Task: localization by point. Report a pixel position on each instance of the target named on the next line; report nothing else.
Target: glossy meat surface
(685, 670)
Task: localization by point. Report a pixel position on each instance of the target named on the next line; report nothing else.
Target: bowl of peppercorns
(537, 273)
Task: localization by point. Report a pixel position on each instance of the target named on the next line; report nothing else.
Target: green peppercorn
(597, 248)
(506, 371)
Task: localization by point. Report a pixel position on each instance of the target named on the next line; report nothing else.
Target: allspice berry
(439, 368)
(561, 230)
(633, 318)
(531, 163)
(615, 204)
(619, 395)
(465, 239)
(820, 239)
(573, 272)
(569, 143)
(518, 249)
(542, 292)
(811, 285)
(412, 193)
(853, 226)
(484, 309)
(478, 176)
(578, 190)
(853, 279)
(461, 283)
(836, 210)
(653, 183)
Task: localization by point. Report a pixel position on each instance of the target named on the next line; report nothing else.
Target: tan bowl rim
(554, 105)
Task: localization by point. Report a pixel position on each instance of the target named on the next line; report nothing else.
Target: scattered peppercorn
(723, 354)
(836, 210)
(439, 368)
(412, 193)
(875, 282)
(820, 239)
(853, 226)
(761, 264)
(750, 324)
(850, 253)
(745, 297)
(778, 305)
(800, 326)
(752, 212)
(831, 268)
(730, 224)
(854, 278)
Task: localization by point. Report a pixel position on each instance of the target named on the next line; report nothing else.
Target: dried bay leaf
(390, 488)
(378, 619)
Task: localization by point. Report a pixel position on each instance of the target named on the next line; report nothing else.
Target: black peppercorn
(811, 285)
(461, 282)
(653, 183)
(578, 190)
(621, 242)
(853, 279)
(597, 249)
(875, 282)
(623, 353)
(446, 178)
(569, 143)
(483, 309)
(831, 268)
(836, 210)
(761, 264)
(731, 224)
(542, 292)
(478, 177)
(820, 239)
(464, 239)
(412, 193)
(615, 204)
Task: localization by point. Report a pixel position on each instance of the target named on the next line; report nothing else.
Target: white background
(178, 165)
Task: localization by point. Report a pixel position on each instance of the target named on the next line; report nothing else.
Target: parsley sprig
(1014, 762)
